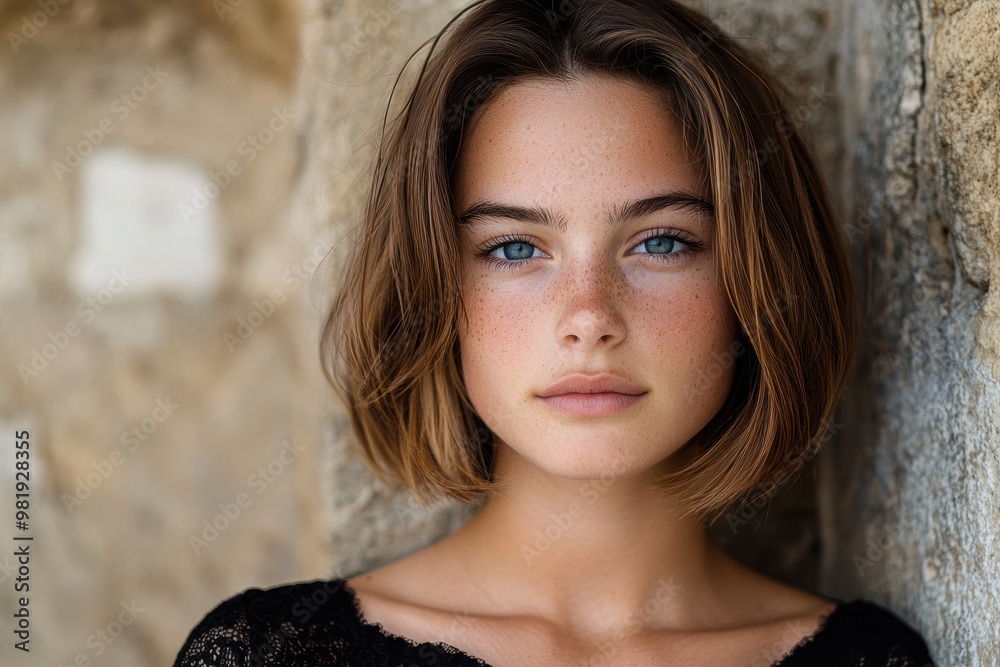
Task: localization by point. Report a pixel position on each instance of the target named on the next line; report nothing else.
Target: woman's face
(638, 298)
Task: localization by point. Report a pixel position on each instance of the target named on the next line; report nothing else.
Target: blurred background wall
(157, 311)
(172, 175)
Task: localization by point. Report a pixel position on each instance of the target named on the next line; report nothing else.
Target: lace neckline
(377, 628)
(380, 630)
(808, 640)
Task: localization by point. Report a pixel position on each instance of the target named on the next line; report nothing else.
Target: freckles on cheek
(495, 355)
(675, 328)
(686, 326)
(501, 351)
(499, 320)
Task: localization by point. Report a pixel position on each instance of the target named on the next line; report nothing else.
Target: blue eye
(518, 250)
(521, 250)
(658, 245)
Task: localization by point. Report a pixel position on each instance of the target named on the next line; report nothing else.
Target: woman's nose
(590, 307)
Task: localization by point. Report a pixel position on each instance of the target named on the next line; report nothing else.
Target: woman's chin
(588, 462)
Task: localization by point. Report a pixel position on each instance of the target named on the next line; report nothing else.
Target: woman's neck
(592, 556)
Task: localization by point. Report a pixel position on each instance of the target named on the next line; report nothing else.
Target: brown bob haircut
(393, 324)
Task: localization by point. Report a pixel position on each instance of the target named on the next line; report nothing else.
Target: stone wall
(910, 499)
(354, 50)
(146, 155)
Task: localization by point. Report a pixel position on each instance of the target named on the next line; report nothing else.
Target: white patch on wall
(145, 227)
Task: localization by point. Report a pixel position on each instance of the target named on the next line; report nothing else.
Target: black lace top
(320, 623)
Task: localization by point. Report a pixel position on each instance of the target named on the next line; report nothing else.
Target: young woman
(599, 285)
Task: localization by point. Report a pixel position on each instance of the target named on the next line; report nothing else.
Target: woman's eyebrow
(632, 208)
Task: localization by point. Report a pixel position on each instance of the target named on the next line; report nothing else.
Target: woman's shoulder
(861, 631)
(258, 625)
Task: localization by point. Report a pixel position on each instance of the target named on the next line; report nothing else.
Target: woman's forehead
(583, 133)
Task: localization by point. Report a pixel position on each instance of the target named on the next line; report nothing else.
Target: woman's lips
(602, 404)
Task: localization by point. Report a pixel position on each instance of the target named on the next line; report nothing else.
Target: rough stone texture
(910, 498)
(129, 538)
(352, 52)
